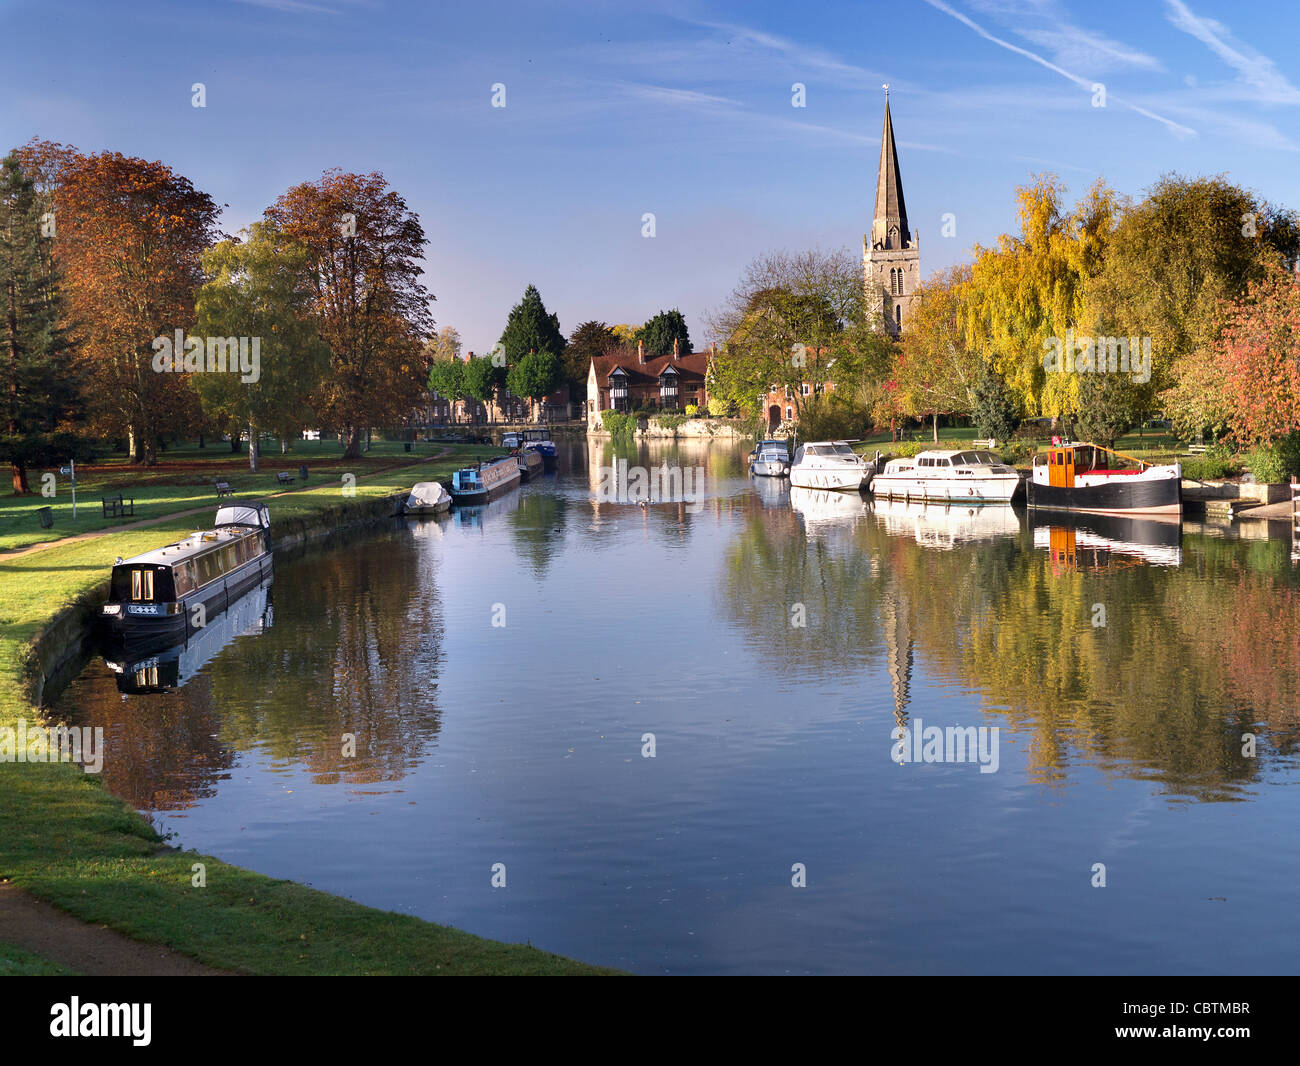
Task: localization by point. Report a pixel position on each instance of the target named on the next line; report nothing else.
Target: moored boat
(530, 462)
(770, 458)
(958, 476)
(474, 484)
(427, 498)
(161, 596)
(829, 464)
(1082, 477)
(540, 438)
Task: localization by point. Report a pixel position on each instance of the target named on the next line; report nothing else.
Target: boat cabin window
(843, 449)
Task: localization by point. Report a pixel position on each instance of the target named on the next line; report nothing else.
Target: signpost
(70, 471)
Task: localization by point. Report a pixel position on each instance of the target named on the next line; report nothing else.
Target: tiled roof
(689, 367)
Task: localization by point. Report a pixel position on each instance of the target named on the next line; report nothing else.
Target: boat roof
(194, 544)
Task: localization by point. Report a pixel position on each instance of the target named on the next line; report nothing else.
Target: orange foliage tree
(370, 307)
(128, 240)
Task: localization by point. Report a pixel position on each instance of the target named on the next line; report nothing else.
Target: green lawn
(68, 841)
(15, 962)
(184, 478)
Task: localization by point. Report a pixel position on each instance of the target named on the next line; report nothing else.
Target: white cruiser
(828, 464)
(971, 477)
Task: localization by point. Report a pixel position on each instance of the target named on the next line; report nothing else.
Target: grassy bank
(68, 841)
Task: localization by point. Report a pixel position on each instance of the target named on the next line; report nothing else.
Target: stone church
(891, 258)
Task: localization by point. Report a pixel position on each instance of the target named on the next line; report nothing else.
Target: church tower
(891, 260)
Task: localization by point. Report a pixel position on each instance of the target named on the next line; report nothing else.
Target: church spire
(889, 229)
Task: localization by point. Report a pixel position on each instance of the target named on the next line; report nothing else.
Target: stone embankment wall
(692, 429)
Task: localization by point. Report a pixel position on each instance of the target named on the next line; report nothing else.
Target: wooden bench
(116, 506)
(284, 477)
(990, 443)
(1196, 449)
(223, 489)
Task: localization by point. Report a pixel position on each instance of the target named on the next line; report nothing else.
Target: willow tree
(1033, 286)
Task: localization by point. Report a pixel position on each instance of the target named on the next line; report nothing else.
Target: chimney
(640, 352)
(674, 349)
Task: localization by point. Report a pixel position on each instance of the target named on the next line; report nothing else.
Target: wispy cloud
(1255, 70)
(1045, 24)
(1086, 83)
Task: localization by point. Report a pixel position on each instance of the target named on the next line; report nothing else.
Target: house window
(803, 390)
(898, 317)
(789, 412)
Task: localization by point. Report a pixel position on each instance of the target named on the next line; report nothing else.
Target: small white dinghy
(428, 497)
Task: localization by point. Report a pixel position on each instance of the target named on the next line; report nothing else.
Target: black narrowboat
(162, 596)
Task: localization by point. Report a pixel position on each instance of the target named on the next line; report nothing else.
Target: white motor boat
(771, 458)
(428, 497)
(939, 524)
(829, 464)
(968, 477)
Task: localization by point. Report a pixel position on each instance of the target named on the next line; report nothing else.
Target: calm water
(521, 743)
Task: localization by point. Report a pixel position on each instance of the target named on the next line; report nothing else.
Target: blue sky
(682, 109)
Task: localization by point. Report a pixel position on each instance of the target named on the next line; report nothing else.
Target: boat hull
(769, 468)
(834, 480)
(957, 490)
(1128, 495)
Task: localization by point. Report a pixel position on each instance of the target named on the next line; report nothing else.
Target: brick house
(621, 381)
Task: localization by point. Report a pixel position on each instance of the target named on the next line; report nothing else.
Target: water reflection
(1095, 640)
(946, 526)
(347, 690)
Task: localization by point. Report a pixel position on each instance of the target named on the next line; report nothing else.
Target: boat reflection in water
(825, 510)
(1104, 543)
(473, 514)
(773, 492)
(138, 673)
(937, 525)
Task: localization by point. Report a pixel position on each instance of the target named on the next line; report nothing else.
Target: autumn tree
(364, 247)
(1034, 286)
(40, 390)
(129, 238)
(1254, 364)
(260, 289)
(937, 368)
(443, 346)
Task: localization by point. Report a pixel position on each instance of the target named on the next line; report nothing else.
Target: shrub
(618, 424)
(691, 410)
(1206, 468)
(1267, 463)
(1017, 453)
(670, 421)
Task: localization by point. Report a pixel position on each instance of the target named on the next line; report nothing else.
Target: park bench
(284, 477)
(989, 443)
(223, 489)
(1196, 449)
(116, 506)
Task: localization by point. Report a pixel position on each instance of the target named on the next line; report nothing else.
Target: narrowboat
(426, 498)
(1082, 477)
(829, 464)
(530, 460)
(540, 439)
(770, 458)
(162, 596)
(481, 482)
(959, 477)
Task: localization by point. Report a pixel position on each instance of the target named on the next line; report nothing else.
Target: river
(668, 738)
